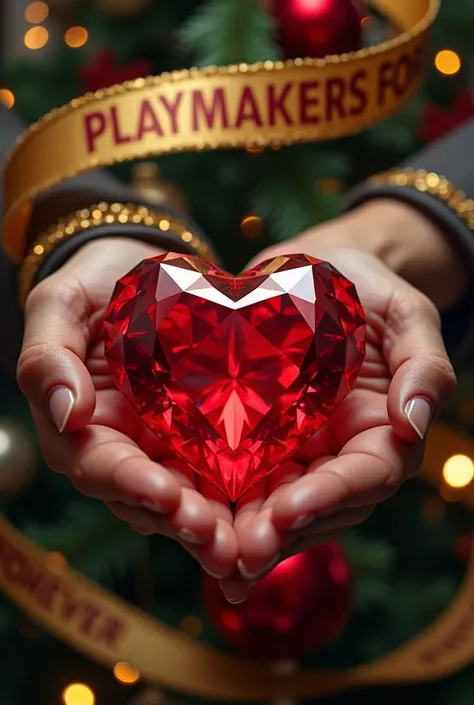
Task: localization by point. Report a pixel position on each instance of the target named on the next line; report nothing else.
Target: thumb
(423, 377)
(51, 371)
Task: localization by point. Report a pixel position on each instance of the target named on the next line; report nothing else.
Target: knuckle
(444, 372)
(51, 460)
(40, 294)
(427, 309)
(391, 482)
(80, 480)
(408, 307)
(29, 365)
(68, 293)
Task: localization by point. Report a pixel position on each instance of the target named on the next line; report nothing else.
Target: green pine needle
(224, 32)
(287, 196)
(93, 540)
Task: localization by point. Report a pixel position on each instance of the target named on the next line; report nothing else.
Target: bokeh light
(7, 97)
(448, 62)
(78, 694)
(252, 227)
(254, 149)
(76, 37)
(458, 471)
(36, 12)
(125, 673)
(331, 185)
(56, 561)
(36, 38)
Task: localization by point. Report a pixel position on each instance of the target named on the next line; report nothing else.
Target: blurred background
(402, 568)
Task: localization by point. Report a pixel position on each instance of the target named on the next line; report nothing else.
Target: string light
(252, 227)
(458, 471)
(78, 694)
(331, 185)
(125, 673)
(7, 97)
(56, 561)
(255, 149)
(36, 38)
(448, 62)
(36, 12)
(76, 37)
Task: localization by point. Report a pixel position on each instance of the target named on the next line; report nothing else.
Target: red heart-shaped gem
(234, 373)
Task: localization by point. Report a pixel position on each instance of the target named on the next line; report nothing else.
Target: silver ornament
(18, 459)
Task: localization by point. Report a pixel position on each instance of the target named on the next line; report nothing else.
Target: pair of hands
(372, 443)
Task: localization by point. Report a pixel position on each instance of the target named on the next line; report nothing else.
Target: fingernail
(302, 521)
(61, 404)
(419, 413)
(249, 575)
(217, 576)
(236, 592)
(151, 506)
(189, 536)
(243, 570)
(233, 601)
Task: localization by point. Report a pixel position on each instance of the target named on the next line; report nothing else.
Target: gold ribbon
(107, 630)
(219, 107)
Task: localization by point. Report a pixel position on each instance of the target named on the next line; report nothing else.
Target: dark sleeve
(59, 202)
(453, 158)
(12, 323)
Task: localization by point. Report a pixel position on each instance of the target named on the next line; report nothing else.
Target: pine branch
(93, 540)
(287, 195)
(371, 561)
(224, 32)
(397, 134)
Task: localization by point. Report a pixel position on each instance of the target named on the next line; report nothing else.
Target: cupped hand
(89, 432)
(374, 440)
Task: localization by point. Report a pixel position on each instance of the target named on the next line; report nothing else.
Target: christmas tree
(409, 559)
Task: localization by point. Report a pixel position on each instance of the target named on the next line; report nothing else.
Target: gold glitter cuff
(99, 215)
(429, 182)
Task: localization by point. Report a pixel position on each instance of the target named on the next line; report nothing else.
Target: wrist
(409, 244)
(117, 248)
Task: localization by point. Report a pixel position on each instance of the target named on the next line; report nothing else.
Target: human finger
(369, 469)
(51, 370)
(423, 377)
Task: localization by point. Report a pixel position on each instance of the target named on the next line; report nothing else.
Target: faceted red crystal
(234, 373)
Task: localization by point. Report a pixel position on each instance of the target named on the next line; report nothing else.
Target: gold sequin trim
(429, 182)
(96, 216)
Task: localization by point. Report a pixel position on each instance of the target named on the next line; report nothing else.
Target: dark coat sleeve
(453, 158)
(12, 323)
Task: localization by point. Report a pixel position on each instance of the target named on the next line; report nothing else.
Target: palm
(358, 459)
(112, 455)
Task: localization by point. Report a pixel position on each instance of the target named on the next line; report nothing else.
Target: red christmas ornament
(437, 122)
(318, 27)
(301, 606)
(104, 71)
(233, 374)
